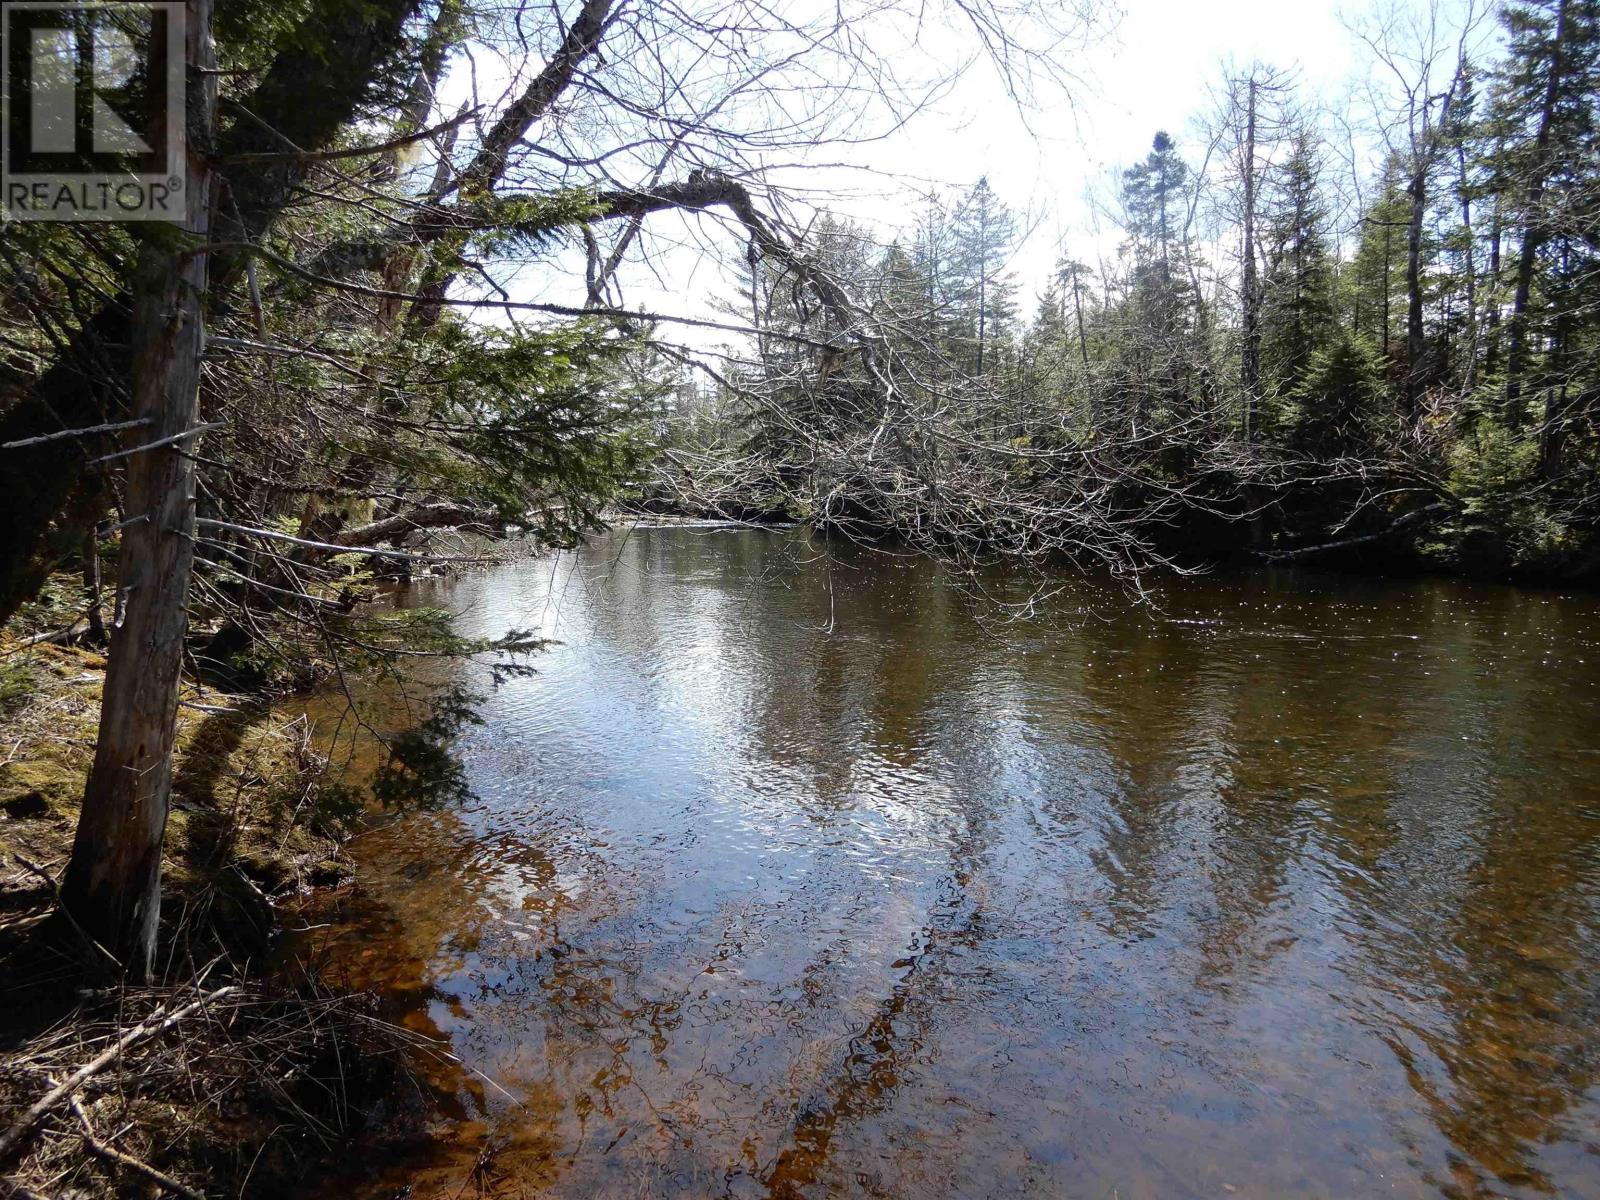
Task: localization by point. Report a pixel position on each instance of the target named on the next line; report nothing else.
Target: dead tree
(112, 886)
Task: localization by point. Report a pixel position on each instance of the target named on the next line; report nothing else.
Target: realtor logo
(93, 128)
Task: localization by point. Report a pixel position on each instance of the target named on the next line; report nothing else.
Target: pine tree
(1375, 295)
(1154, 208)
(983, 231)
(1547, 98)
(1160, 317)
(1297, 308)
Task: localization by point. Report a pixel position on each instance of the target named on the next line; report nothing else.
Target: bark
(1491, 332)
(1250, 343)
(1416, 345)
(1470, 265)
(112, 887)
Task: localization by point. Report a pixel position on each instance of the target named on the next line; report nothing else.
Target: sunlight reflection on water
(1286, 886)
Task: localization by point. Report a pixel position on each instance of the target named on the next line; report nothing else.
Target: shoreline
(264, 1071)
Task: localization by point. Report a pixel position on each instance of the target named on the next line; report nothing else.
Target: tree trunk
(1491, 323)
(113, 881)
(1077, 308)
(1470, 266)
(1416, 346)
(1250, 342)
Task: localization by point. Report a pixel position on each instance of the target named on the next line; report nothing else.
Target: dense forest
(1282, 359)
(394, 332)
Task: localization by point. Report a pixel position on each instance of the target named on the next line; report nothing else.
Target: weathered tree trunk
(1533, 231)
(113, 882)
(1470, 267)
(1416, 345)
(1250, 342)
(1077, 310)
(1491, 324)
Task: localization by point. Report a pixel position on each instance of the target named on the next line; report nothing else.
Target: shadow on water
(789, 876)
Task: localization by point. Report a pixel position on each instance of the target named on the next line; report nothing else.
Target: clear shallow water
(795, 878)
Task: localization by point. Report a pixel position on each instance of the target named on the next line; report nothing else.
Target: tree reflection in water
(794, 878)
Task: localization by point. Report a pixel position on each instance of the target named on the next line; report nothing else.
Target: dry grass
(247, 1090)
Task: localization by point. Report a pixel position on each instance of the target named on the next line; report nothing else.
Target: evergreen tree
(1158, 322)
(1546, 99)
(1375, 296)
(983, 231)
(1297, 309)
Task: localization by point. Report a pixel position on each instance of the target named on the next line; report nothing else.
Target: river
(803, 874)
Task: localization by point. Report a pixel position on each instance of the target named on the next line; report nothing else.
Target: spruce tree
(983, 232)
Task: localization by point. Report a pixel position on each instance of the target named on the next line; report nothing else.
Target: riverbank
(229, 1074)
(1438, 540)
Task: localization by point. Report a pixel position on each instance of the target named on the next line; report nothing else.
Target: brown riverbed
(795, 876)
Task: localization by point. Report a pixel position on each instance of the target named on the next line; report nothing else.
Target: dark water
(789, 877)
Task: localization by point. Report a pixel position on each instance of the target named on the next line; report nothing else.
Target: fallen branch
(334, 546)
(156, 445)
(1411, 518)
(111, 1154)
(423, 516)
(152, 1025)
(54, 635)
(110, 427)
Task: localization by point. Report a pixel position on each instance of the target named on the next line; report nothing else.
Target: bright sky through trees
(1055, 155)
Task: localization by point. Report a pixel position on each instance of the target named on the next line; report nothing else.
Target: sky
(1058, 161)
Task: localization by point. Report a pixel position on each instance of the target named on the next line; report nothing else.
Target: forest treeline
(1290, 355)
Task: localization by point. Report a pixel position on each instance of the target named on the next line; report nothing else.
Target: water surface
(798, 875)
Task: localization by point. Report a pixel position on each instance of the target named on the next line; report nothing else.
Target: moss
(243, 829)
(239, 776)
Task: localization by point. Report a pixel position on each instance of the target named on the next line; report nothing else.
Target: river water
(803, 874)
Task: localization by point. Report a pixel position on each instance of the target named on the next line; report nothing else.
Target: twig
(18, 1192)
(55, 635)
(55, 892)
(295, 156)
(122, 1158)
(112, 427)
(152, 1025)
(160, 442)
